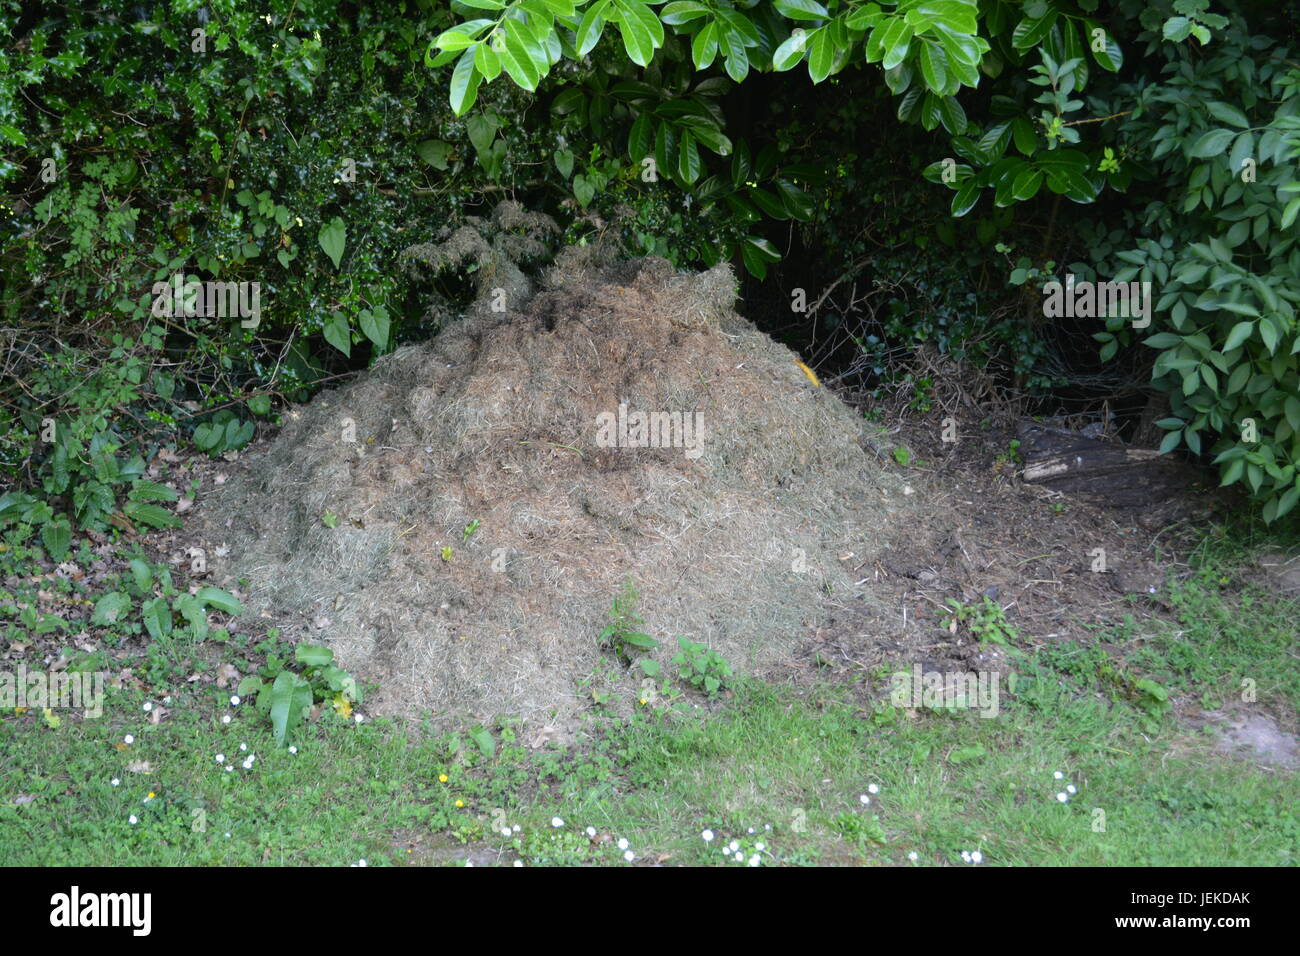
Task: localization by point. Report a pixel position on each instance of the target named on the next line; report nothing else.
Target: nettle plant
(702, 667)
(625, 634)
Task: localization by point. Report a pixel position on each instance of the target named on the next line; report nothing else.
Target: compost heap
(488, 505)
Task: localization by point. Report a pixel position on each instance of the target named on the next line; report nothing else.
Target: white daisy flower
(622, 843)
(760, 847)
(1058, 775)
(977, 857)
(221, 758)
(114, 782)
(557, 822)
(1063, 797)
(629, 856)
(755, 860)
(519, 862)
(864, 800)
(133, 820)
(591, 832)
(708, 836)
(128, 739)
(873, 788)
(506, 831)
(293, 750)
(913, 856)
(1071, 790)
(234, 700)
(225, 718)
(147, 706)
(965, 855)
(243, 746)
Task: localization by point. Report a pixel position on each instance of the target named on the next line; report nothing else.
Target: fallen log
(1107, 471)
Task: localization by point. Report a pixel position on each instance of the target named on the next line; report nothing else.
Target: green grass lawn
(792, 764)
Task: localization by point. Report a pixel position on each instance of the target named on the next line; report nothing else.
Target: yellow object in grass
(812, 376)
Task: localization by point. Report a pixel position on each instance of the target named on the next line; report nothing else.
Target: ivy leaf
(375, 325)
(482, 130)
(332, 238)
(564, 161)
(338, 333)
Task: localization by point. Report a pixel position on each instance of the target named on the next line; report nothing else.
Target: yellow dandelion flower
(460, 803)
(442, 778)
